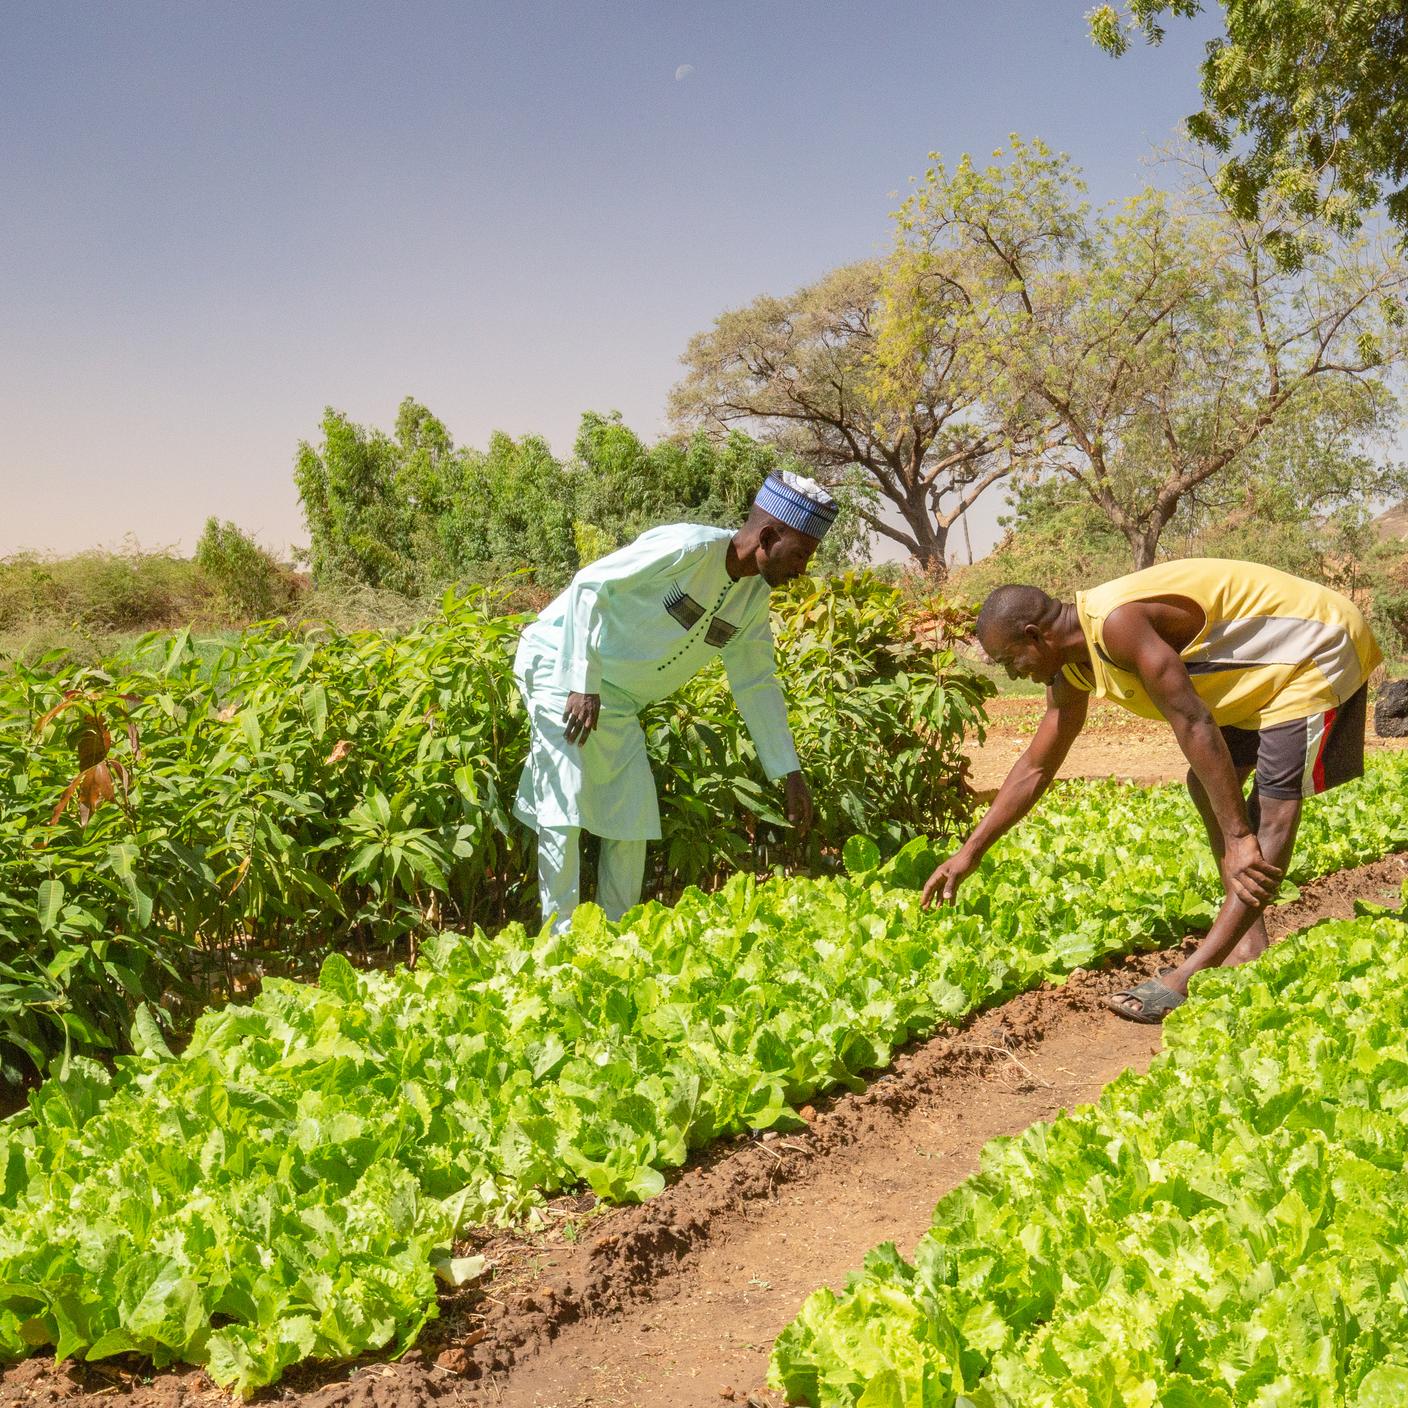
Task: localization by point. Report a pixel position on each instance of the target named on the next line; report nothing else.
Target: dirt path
(676, 1302)
(706, 1336)
(1114, 743)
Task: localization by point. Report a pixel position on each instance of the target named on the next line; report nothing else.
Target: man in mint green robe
(631, 629)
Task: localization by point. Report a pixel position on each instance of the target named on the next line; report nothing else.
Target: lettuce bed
(281, 1189)
(1226, 1230)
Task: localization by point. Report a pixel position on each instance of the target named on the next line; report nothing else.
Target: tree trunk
(931, 539)
(1146, 546)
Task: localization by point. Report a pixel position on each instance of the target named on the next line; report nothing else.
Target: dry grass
(95, 605)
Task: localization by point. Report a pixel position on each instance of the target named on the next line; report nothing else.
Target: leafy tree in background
(510, 506)
(357, 507)
(1318, 92)
(926, 435)
(1054, 538)
(410, 512)
(624, 486)
(250, 583)
(425, 476)
(1176, 353)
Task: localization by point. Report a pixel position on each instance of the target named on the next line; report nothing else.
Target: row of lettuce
(1227, 1230)
(198, 814)
(283, 1188)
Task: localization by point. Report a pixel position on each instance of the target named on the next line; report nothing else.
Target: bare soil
(676, 1302)
(1114, 743)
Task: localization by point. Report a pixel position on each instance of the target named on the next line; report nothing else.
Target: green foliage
(260, 781)
(879, 713)
(591, 542)
(1225, 1230)
(249, 583)
(1305, 101)
(355, 504)
(1180, 361)
(411, 513)
(511, 506)
(927, 438)
(1386, 579)
(1056, 539)
(92, 604)
(281, 1189)
(293, 792)
(626, 486)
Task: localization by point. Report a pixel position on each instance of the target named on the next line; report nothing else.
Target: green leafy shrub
(411, 512)
(249, 583)
(294, 792)
(1226, 1230)
(89, 607)
(99, 590)
(280, 799)
(879, 713)
(281, 1188)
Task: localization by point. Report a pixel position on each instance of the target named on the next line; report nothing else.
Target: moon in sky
(683, 72)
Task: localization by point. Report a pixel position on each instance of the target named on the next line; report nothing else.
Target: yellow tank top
(1272, 648)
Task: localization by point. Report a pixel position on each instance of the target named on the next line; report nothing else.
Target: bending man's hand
(1247, 874)
(799, 802)
(580, 716)
(944, 882)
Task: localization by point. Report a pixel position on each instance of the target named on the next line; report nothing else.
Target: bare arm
(1030, 776)
(1135, 644)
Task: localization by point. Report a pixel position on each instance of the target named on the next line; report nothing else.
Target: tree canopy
(1315, 93)
(800, 370)
(409, 511)
(1177, 355)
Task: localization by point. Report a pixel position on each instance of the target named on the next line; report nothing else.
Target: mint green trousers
(618, 882)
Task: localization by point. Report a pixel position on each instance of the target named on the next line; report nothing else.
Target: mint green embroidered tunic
(633, 627)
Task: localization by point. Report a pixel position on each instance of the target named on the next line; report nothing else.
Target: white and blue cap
(797, 501)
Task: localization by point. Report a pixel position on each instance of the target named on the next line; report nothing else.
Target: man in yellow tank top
(1255, 670)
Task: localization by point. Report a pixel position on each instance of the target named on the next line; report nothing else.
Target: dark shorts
(1306, 756)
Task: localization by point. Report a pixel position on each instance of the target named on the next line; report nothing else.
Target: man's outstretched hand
(943, 884)
(799, 802)
(580, 716)
(1247, 874)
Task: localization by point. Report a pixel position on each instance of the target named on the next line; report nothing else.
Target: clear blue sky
(217, 218)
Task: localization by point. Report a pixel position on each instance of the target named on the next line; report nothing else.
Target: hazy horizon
(222, 219)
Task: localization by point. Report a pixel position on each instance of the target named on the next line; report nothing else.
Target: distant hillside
(1392, 524)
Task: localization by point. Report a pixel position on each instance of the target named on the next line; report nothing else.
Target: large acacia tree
(1171, 347)
(800, 370)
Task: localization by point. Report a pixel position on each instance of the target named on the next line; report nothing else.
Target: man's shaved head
(1010, 609)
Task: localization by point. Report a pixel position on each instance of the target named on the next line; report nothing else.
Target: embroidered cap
(797, 501)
